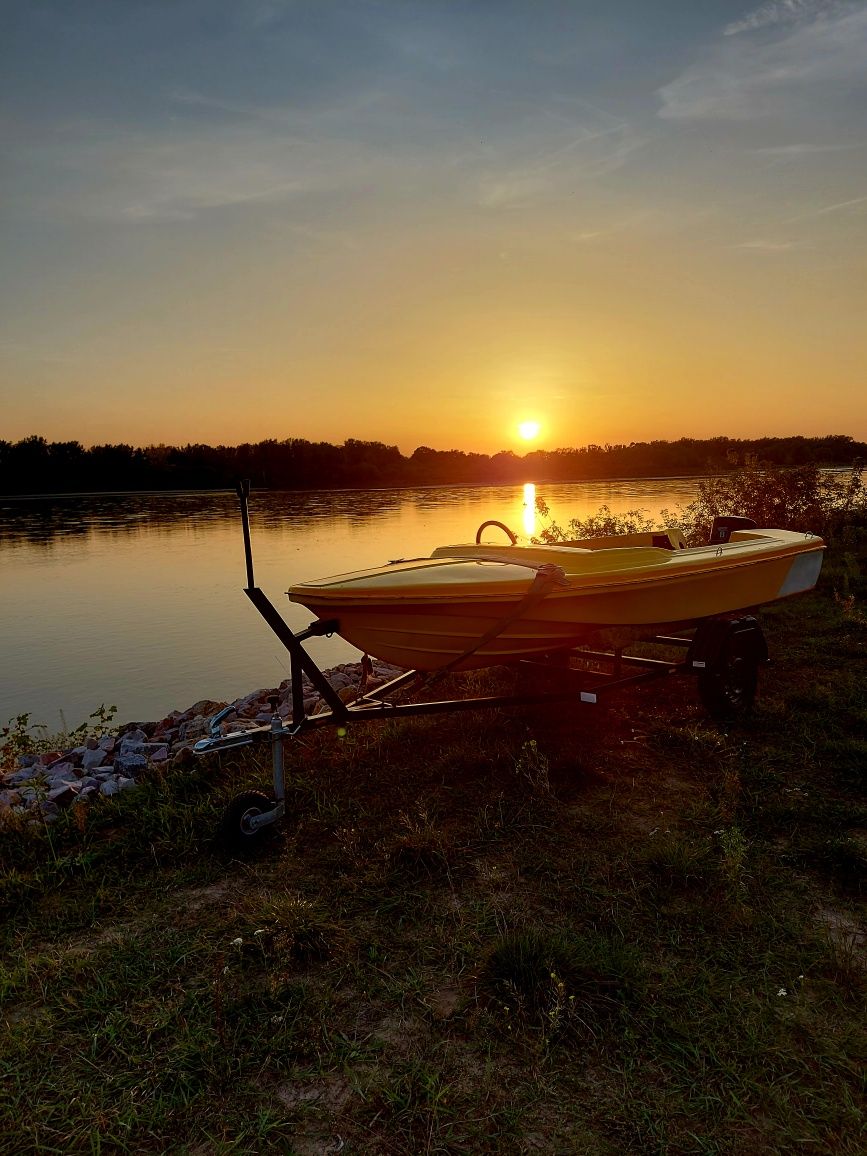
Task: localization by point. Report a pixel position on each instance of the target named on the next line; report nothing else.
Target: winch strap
(547, 578)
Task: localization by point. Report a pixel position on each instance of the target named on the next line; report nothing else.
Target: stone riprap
(43, 784)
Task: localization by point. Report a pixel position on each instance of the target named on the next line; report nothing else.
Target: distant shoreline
(62, 495)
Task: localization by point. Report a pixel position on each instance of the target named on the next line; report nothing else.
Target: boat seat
(676, 538)
(669, 538)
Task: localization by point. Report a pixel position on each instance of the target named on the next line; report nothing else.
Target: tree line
(34, 465)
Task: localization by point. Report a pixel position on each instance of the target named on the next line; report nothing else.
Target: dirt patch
(211, 895)
(320, 1100)
(400, 1034)
(22, 1013)
(845, 934)
(329, 1094)
(443, 1002)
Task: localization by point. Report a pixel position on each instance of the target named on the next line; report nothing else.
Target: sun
(529, 430)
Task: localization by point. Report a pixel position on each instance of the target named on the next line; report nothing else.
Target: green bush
(804, 498)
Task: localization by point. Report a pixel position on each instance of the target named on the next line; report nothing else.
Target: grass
(624, 930)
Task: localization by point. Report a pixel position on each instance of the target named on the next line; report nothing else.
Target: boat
(475, 605)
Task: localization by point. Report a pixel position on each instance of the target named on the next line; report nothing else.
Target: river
(136, 599)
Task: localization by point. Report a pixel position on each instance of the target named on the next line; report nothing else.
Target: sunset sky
(426, 223)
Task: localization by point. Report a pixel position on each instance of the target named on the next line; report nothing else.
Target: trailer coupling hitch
(217, 741)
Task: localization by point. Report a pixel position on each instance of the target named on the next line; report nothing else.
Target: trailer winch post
(243, 491)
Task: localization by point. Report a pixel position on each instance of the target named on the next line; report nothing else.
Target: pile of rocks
(43, 784)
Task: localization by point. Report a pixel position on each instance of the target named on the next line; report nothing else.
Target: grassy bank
(624, 929)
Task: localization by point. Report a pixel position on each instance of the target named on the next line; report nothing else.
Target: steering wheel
(513, 538)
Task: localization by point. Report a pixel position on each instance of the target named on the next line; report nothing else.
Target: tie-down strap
(548, 577)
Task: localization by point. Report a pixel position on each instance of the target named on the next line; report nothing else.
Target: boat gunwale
(623, 579)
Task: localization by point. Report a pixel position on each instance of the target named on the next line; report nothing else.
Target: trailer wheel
(236, 836)
(729, 688)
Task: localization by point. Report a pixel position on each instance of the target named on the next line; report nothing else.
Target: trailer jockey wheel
(728, 688)
(236, 836)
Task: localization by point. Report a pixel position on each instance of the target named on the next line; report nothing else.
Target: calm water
(137, 599)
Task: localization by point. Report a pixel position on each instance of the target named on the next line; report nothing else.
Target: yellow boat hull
(431, 613)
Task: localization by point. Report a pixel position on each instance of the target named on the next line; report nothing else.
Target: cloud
(549, 155)
(820, 51)
(825, 210)
(760, 245)
(779, 12)
(788, 154)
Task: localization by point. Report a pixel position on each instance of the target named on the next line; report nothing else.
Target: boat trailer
(723, 652)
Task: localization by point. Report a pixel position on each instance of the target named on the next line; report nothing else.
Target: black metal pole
(243, 491)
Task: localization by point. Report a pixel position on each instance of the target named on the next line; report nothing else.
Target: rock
(124, 784)
(129, 764)
(27, 760)
(8, 799)
(88, 782)
(206, 706)
(60, 780)
(50, 757)
(25, 775)
(94, 757)
(91, 743)
(107, 743)
(62, 795)
(109, 787)
(62, 769)
(136, 735)
(195, 728)
(137, 748)
(183, 757)
(160, 755)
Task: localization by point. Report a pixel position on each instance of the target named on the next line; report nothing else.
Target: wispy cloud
(517, 171)
(780, 12)
(822, 50)
(791, 153)
(826, 210)
(761, 245)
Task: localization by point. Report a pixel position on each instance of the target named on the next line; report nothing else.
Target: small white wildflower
(237, 942)
(259, 931)
(782, 991)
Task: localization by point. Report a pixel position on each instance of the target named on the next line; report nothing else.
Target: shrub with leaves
(805, 498)
(599, 525)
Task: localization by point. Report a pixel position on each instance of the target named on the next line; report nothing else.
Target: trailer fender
(716, 639)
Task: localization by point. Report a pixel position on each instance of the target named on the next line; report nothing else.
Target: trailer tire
(235, 835)
(728, 689)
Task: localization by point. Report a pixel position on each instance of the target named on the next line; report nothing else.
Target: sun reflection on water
(529, 515)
